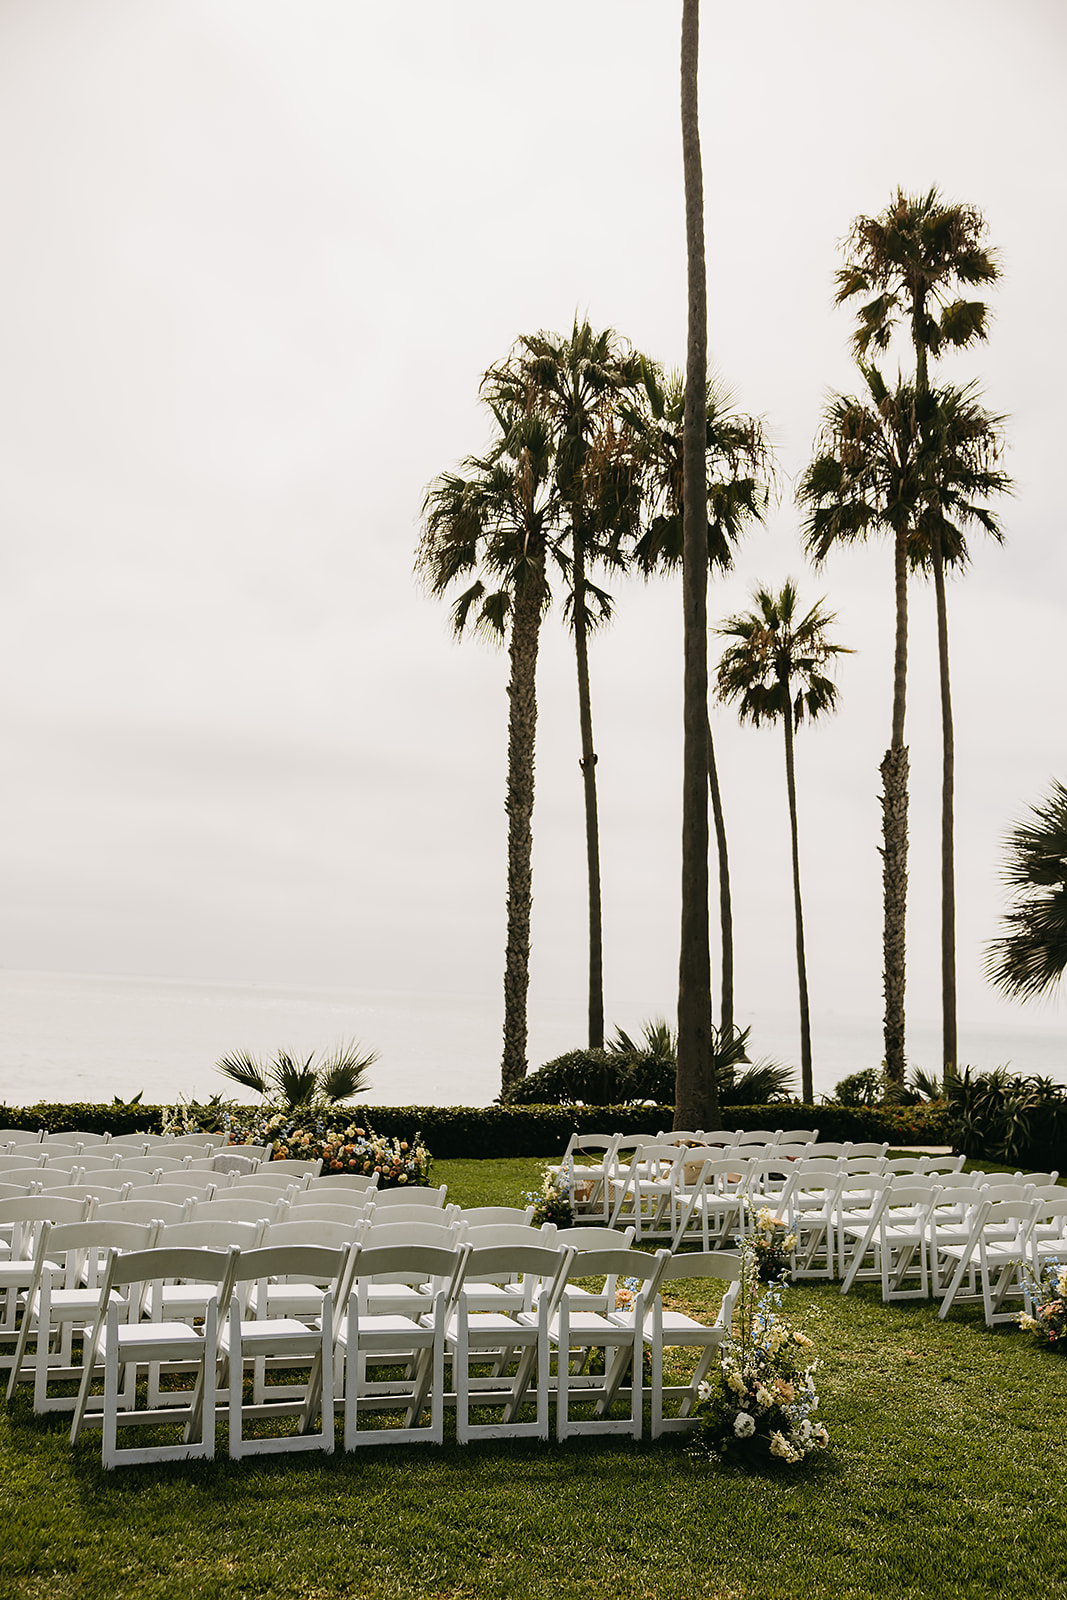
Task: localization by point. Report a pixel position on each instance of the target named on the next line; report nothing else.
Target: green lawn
(944, 1478)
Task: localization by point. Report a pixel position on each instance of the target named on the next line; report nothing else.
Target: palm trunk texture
(522, 728)
(696, 1095)
(948, 865)
(592, 826)
(807, 1088)
(894, 771)
(726, 914)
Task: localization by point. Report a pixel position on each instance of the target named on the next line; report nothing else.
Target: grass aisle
(944, 1478)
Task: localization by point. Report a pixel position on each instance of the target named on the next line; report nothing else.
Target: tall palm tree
(575, 383)
(696, 1094)
(865, 481)
(914, 258)
(773, 671)
(1030, 956)
(492, 521)
(916, 468)
(738, 470)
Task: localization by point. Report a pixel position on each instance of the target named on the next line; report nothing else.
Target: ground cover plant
(942, 1479)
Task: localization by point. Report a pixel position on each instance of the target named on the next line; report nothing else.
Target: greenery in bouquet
(1048, 1297)
(552, 1202)
(772, 1240)
(340, 1147)
(763, 1403)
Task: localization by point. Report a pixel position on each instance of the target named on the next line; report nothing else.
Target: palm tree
(696, 1094)
(302, 1084)
(492, 521)
(737, 472)
(913, 259)
(775, 651)
(1030, 956)
(914, 467)
(575, 383)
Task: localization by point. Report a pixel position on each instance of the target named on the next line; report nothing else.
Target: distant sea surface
(86, 1037)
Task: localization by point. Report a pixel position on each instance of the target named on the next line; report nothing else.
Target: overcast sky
(257, 255)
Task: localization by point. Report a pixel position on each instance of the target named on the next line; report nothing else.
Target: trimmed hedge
(504, 1132)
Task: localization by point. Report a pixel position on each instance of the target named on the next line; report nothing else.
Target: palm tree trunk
(696, 1094)
(726, 915)
(894, 771)
(948, 864)
(807, 1087)
(592, 826)
(522, 728)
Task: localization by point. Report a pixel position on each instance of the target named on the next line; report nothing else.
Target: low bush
(997, 1116)
(480, 1132)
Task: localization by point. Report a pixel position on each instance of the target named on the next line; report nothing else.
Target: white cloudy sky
(257, 255)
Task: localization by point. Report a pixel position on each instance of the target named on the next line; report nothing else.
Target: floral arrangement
(345, 1148)
(772, 1239)
(552, 1202)
(765, 1399)
(1048, 1296)
(180, 1119)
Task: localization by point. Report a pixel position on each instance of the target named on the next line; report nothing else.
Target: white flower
(703, 1390)
(744, 1425)
(781, 1447)
(764, 1397)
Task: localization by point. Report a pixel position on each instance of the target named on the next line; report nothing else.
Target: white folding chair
(587, 1163)
(127, 1343)
(62, 1296)
(342, 1183)
(269, 1341)
(904, 1240)
(996, 1252)
(647, 1196)
(142, 1211)
(577, 1333)
(26, 1216)
(812, 1215)
(483, 1216)
(288, 1169)
(669, 1327)
(394, 1360)
(515, 1349)
(415, 1194)
(711, 1202)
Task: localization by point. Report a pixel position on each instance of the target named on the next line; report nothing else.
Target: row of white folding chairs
(613, 1187)
(942, 1240)
(14, 1140)
(672, 1194)
(514, 1341)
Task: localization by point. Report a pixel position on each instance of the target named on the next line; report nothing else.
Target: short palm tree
(772, 671)
(1030, 956)
(914, 259)
(300, 1084)
(492, 522)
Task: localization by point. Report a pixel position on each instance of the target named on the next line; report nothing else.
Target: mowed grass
(944, 1478)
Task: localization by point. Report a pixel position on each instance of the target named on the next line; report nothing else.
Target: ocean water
(87, 1037)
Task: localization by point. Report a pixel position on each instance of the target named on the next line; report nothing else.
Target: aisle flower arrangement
(1048, 1297)
(772, 1239)
(552, 1202)
(764, 1401)
(341, 1148)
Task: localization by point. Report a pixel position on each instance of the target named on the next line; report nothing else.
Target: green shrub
(998, 1116)
(508, 1132)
